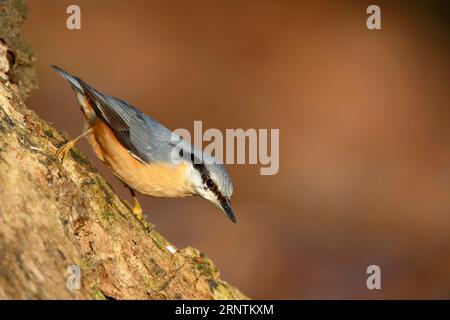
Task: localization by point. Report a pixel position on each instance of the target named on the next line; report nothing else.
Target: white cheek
(211, 197)
(206, 194)
(193, 177)
(196, 182)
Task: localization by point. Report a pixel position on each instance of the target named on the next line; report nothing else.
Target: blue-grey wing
(145, 138)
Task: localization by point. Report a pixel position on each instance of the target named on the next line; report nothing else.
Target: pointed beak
(225, 207)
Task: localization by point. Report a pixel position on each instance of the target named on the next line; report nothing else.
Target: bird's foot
(64, 149)
(139, 215)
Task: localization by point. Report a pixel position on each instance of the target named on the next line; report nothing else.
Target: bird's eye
(209, 183)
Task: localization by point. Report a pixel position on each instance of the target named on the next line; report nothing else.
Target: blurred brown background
(364, 122)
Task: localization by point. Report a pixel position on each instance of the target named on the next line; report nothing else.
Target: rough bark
(53, 214)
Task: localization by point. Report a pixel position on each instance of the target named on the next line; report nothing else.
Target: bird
(144, 154)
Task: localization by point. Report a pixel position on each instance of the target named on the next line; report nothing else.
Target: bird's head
(210, 180)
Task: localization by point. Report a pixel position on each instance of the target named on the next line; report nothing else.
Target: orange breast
(158, 180)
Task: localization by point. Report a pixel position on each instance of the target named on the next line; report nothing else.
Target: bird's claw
(137, 212)
(63, 150)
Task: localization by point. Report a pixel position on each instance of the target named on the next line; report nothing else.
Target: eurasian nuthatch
(140, 151)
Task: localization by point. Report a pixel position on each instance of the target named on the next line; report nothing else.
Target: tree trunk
(56, 217)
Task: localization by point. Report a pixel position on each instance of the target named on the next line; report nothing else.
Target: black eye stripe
(204, 173)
